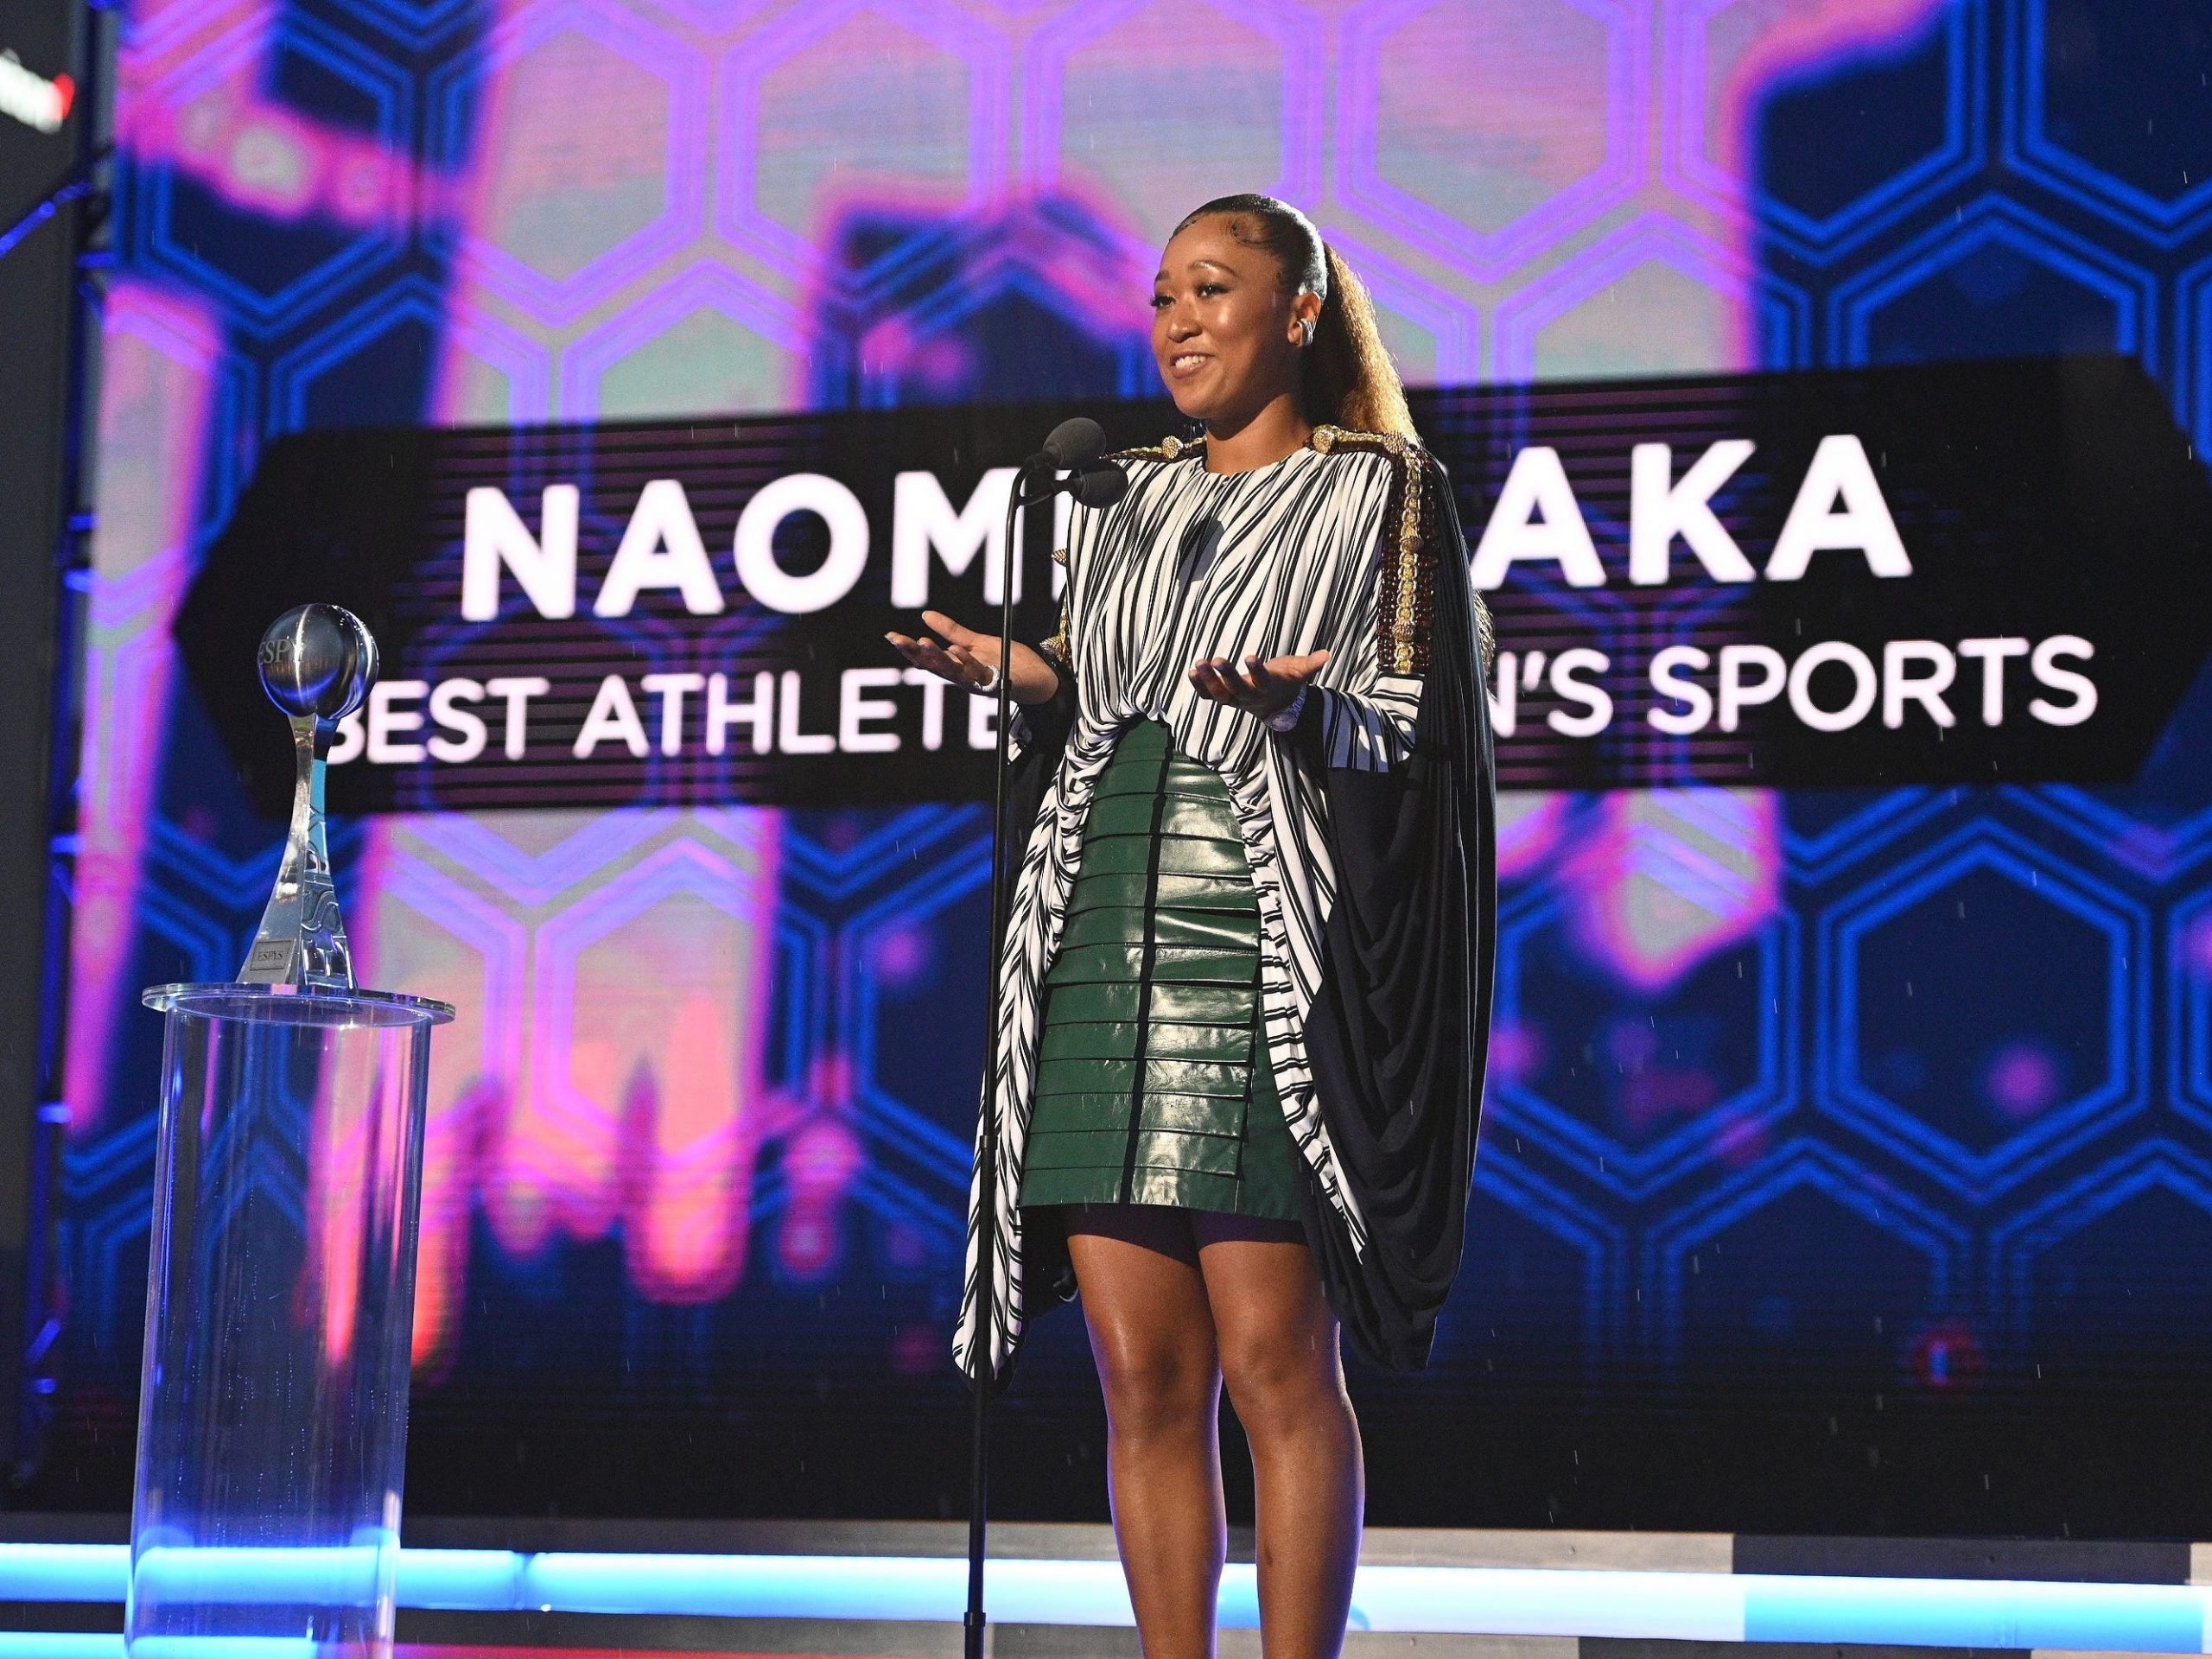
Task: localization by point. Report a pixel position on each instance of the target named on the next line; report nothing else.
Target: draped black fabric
(1400, 1034)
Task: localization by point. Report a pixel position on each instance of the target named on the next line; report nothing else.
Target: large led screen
(1847, 1156)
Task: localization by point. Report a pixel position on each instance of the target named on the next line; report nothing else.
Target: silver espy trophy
(287, 1178)
(317, 664)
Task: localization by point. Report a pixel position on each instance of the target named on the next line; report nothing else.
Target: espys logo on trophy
(317, 664)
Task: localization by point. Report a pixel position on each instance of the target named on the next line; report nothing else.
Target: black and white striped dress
(1289, 558)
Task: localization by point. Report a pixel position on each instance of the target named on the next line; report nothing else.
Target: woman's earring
(1306, 326)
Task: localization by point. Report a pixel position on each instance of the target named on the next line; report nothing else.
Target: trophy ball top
(317, 660)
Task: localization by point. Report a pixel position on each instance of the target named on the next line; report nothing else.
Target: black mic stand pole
(987, 1141)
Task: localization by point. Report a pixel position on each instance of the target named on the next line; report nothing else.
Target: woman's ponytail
(1349, 379)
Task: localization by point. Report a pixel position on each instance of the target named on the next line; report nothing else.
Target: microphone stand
(987, 1142)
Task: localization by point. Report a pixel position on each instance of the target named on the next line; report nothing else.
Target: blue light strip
(1554, 1601)
(344, 1575)
(1493, 1601)
(220, 1647)
(1967, 1613)
(64, 1572)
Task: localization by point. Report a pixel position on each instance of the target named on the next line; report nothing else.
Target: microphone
(1099, 484)
(1071, 446)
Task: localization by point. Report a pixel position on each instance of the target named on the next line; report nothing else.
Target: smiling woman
(1217, 305)
(1246, 989)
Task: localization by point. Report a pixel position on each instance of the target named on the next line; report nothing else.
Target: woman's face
(1224, 333)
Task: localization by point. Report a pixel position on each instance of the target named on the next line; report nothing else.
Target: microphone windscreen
(1075, 443)
(1100, 486)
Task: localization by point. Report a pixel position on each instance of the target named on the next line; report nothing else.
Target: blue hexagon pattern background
(1904, 1086)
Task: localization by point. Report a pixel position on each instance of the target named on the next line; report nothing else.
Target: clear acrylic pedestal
(272, 1427)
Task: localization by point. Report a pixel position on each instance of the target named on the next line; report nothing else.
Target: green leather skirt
(1152, 1080)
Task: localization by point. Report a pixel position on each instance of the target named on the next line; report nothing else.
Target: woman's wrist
(1286, 718)
(1030, 695)
(1025, 690)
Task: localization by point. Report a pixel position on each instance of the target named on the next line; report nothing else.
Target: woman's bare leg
(1278, 1357)
(1152, 1334)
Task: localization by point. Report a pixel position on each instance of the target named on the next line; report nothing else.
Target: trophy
(317, 664)
(272, 1425)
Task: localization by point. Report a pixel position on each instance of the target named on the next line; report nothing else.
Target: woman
(1246, 985)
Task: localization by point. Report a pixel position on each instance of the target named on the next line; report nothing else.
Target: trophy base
(272, 1427)
(296, 1005)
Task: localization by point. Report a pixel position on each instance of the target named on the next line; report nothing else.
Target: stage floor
(509, 1589)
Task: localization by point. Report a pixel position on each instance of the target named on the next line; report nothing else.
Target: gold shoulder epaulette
(1329, 440)
(1405, 601)
(1168, 448)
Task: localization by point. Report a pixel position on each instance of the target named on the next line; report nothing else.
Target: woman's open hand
(1260, 688)
(968, 659)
